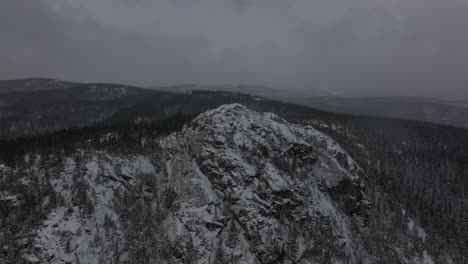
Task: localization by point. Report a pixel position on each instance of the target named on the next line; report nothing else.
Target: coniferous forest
(413, 170)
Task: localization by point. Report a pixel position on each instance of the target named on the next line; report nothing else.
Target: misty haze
(234, 131)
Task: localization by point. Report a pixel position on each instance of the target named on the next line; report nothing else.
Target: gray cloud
(352, 48)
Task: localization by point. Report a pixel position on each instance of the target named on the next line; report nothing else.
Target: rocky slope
(234, 186)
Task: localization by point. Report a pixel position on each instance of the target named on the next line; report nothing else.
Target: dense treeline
(124, 136)
(30, 113)
(421, 166)
(26, 193)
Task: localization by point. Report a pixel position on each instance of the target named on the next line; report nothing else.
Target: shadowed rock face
(350, 196)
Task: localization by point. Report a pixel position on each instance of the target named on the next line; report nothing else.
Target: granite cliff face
(284, 191)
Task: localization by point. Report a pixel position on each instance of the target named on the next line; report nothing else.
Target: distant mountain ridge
(33, 84)
(16, 97)
(26, 112)
(411, 108)
(257, 90)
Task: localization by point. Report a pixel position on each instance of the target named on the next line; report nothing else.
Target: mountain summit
(234, 186)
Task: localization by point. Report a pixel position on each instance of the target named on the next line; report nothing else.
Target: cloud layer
(347, 47)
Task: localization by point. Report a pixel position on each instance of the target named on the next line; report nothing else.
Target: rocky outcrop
(234, 186)
(272, 184)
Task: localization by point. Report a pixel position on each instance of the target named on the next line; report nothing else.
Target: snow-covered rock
(234, 186)
(278, 183)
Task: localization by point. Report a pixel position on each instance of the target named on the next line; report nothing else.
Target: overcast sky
(344, 47)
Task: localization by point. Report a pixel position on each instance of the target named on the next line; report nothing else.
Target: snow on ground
(66, 236)
(275, 180)
(427, 259)
(420, 232)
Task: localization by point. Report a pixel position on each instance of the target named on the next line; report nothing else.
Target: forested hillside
(415, 172)
(422, 166)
